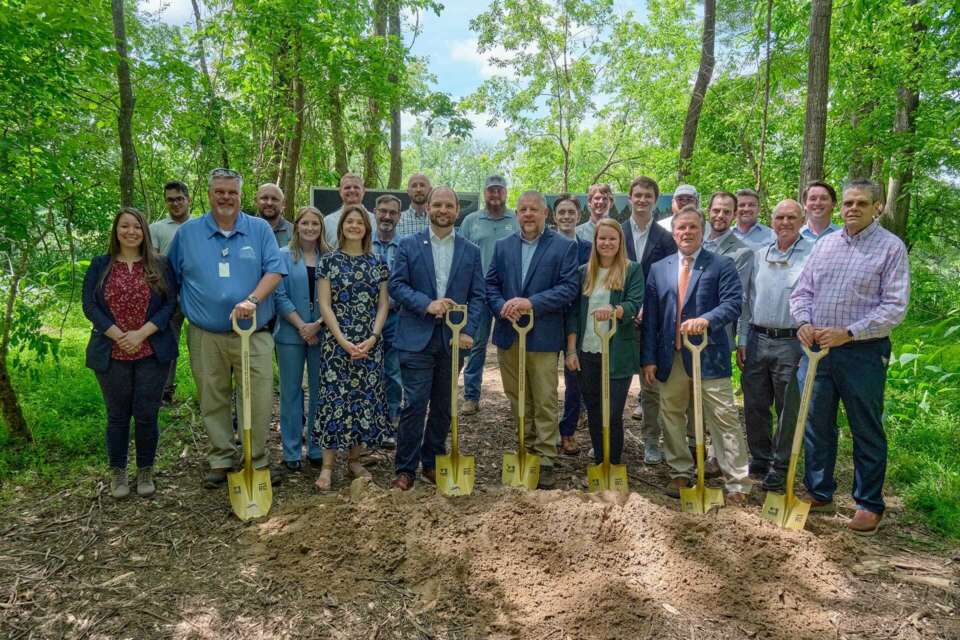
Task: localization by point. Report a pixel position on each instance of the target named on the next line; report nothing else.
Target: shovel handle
(813, 358)
(695, 350)
(522, 382)
(462, 310)
(694, 346)
(249, 330)
(524, 329)
(608, 332)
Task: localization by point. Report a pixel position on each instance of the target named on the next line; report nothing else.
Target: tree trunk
(396, 161)
(374, 116)
(337, 136)
(288, 177)
(128, 157)
(766, 103)
(213, 102)
(704, 74)
(818, 77)
(9, 403)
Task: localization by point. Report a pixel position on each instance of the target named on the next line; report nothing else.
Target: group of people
(359, 299)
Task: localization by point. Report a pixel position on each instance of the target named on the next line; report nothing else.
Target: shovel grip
(462, 310)
(525, 329)
(249, 330)
(694, 346)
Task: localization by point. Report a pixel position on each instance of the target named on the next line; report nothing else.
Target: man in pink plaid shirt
(852, 292)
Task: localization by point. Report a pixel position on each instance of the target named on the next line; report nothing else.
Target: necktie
(682, 283)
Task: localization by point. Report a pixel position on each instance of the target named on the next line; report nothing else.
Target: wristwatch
(254, 299)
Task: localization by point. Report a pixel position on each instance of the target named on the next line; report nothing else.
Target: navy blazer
(583, 251)
(413, 284)
(95, 307)
(714, 293)
(551, 285)
(659, 245)
(293, 294)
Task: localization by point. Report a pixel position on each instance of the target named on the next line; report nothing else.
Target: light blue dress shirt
(527, 249)
(756, 237)
(767, 294)
(807, 233)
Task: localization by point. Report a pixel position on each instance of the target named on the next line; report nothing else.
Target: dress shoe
(865, 523)
(469, 407)
(548, 479)
(774, 481)
(738, 499)
(430, 475)
(568, 446)
(215, 478)
(711, 468)
(673, 487)
(403, 481)
(293, 465)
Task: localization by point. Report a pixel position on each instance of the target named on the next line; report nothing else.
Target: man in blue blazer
(536, 269)
(433, 270)
(710, 295)
(647, 243)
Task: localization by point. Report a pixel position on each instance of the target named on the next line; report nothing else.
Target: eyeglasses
(221, 172)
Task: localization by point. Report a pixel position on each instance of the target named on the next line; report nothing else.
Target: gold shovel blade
(789, 516)
(455, 475)
(615, 478)
(250, 501)
(520, 472)
(700, 499)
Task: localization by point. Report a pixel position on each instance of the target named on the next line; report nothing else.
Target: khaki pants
(212, 356)
(541, 429)
(720, 420)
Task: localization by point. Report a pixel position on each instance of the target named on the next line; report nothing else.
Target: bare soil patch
(366, 562)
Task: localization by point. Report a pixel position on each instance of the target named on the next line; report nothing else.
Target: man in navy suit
(536, 269)
(647, 243)
(433, 270)
(694, 292)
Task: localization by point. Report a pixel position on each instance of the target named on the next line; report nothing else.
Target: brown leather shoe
(673, 487)
(430, 475)
(469, 407)
(865, 523)
(711, 468)
(568, 446)
(738, 499)
(403, 481)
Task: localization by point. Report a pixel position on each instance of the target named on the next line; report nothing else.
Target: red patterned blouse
(128, 296)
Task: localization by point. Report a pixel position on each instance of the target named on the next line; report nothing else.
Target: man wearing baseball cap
(683, 195)
(483, 228)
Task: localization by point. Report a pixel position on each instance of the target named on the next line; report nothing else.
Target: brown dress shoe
(403, 481)
(673, 487)
(738, 499)
(430, 475)
(865, 523)
(568, 446)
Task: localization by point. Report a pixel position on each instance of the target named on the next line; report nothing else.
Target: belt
(771, 332)
(234, 333)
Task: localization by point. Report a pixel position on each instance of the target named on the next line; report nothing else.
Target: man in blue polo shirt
(228, 263)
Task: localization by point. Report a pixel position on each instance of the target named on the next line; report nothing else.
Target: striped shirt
(860, 283)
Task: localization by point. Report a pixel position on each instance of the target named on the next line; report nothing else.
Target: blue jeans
(290, 361)
(393, 385)
(571, 401)
(473, 372)
(855, 374)
(426, 382)
(132, 389)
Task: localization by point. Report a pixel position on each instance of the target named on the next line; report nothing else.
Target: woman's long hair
(618, 270)
(295, 249)
(366, 245)
(154, 265)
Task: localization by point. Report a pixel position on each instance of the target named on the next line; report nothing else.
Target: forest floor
(363, 561)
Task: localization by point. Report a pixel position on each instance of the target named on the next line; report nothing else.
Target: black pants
(132, 389)
(592, 389)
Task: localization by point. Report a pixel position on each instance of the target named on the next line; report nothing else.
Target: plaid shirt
(861, 283)
(411, 222)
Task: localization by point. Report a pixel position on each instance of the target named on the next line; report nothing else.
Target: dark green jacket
(624, 358)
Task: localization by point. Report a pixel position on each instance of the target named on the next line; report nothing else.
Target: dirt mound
(511, 564)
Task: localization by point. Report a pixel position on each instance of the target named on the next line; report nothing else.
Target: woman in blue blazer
(129, 295)
(295, 335)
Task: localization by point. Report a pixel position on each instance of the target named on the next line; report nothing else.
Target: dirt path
(366, 562)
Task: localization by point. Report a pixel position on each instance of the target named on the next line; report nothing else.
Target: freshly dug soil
(363, 561)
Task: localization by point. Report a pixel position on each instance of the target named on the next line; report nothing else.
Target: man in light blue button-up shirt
(748, 229)
(819, 200)
(768, 350)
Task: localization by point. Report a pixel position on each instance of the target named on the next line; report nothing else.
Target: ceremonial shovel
(605, 475)
(521, 469)
(699, 498)
(787, 510)
(250, 490)
(455, 473)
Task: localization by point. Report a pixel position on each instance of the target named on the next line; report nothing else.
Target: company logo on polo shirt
(247, 253)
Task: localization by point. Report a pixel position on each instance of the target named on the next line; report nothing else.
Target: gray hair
(222, 173)
(749, 193)
(863, 184)
(534, 194)
(272, 185)
(388, 197)
(689, 210)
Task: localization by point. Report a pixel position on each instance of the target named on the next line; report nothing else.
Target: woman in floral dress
(352, 293)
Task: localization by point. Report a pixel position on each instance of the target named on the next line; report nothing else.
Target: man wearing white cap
(683, 195)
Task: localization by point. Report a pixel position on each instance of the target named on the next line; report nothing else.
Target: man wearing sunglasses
(768, 350)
